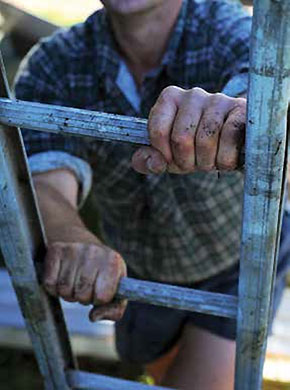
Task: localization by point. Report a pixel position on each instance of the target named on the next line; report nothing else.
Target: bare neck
(143, 37)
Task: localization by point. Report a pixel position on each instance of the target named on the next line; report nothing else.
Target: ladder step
(178, 297)
(77, 122)
(79, 380)
(73, 121)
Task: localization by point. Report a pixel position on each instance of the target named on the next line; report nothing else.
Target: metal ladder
(22, 239)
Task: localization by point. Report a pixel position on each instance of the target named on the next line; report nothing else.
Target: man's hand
(78, 267)
(86, 273)
(192, 130)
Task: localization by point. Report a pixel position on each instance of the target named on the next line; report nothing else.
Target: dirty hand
(192, 130)
(88, 273)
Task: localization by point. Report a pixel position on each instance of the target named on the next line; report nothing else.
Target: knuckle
(227, 161)
(104, 297)
(218, 99)
(49, 284)
(241, 102)
(235, 127)
(84, 299)
(196, 91)
(64, 291)
(93, 251)
(168, 93)
(219, 96)
(52, 251)
(63, 288)
(204, 142)
(226, 164)
(62, 283)
(115, 262)
(83, 284)
(182, 139)
(210, 128)
(156, 130)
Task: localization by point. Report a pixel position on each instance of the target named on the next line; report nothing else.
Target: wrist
(71, 234)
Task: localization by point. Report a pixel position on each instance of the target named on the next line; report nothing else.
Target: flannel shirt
(172, 228)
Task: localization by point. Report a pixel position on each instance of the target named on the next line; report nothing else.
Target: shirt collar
(107, 59)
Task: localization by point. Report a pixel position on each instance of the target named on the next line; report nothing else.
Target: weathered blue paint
(265, 169)
(77, 122)
(178, 297)
(21, 241)
(73, 121)
(84, 381)
(266, 135)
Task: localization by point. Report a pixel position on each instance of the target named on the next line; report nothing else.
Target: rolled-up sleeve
(52, 160)
(41, 78)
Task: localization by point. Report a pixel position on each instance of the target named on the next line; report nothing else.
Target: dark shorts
(146, 332)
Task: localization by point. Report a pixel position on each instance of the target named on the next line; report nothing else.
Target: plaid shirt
(174, 228)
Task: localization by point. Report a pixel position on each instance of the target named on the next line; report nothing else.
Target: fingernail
(95, 317)
(156, 168)
(149, 164)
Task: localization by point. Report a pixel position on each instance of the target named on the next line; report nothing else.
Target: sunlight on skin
(130, 6)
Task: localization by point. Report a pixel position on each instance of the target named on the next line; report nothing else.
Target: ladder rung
(79, 380)
(73, 121)
(179, 297)
(77, 122)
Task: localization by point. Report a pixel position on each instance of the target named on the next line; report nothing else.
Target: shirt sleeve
(231, 31)
(51, 160)
(41, 78)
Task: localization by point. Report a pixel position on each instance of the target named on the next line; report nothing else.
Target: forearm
(57, 199)
(78, 267)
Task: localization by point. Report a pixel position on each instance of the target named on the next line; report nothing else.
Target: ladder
(22, 238)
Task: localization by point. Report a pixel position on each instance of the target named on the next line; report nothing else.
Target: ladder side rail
(22, 241)
(263, 197)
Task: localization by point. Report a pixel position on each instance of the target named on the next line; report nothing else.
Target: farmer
(166, 213)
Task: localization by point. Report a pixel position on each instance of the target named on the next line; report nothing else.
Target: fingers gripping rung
(77, 122)
(79, 380)
(179, 297)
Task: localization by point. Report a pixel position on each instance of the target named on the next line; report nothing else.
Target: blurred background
(22, 23)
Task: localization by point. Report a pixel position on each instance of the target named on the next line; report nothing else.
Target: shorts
(146, 332)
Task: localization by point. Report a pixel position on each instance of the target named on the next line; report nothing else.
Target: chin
(129, 6)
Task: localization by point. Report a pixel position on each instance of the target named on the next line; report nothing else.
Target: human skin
(128, 7)
(190, 130)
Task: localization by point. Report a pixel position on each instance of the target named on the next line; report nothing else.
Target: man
(173, 219)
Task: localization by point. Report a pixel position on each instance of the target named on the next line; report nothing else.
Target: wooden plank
(265, 171)
(178, 297)
(77, 122)
(85, 381)
(72, 121)
(22, 241)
